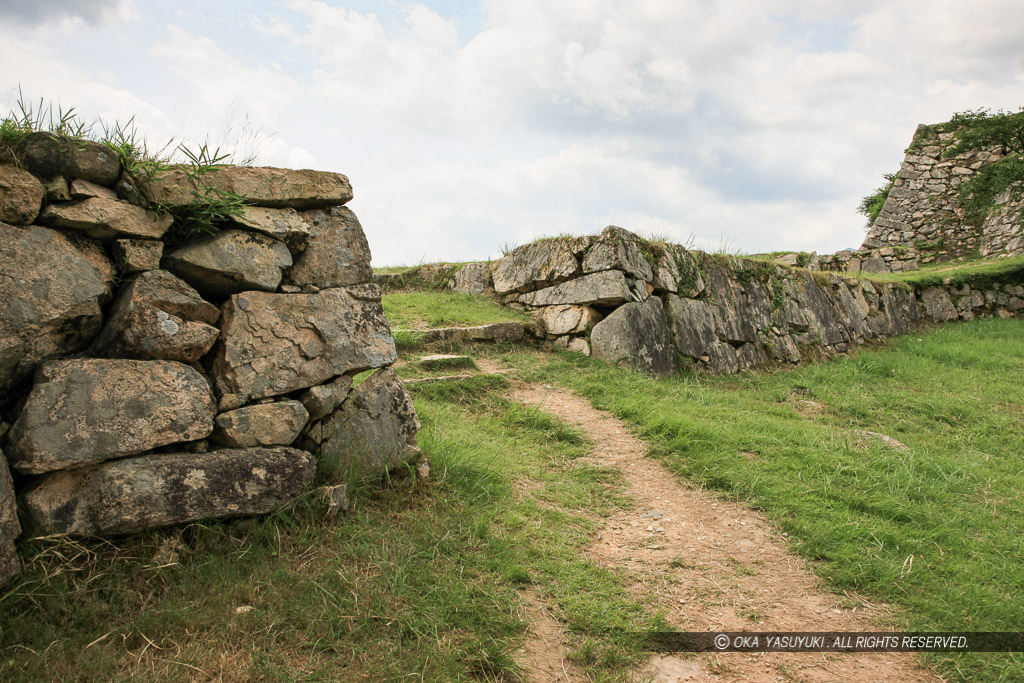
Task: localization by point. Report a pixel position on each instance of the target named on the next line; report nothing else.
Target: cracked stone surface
(276, 343)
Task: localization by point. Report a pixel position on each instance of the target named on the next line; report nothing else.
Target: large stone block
(276, 343)
(229, 262)
(691, 324)
(618, 249)
(937, 305)
(158, 317)
(134, 494)
(535, 265)
(50, 296)
(285, 225)
(608, 288)
(21, 195)
(103, 218)
(676, 271)
(266, 424)
(86, 410)
(260, 186)
(48, 155)
(10, 528)
(336, 253)
(636, 335)
(373, 430)
(472, 278)
(559, 320)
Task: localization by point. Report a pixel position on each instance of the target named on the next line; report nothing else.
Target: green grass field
(937, 530)
(418, 310)
(427, 579)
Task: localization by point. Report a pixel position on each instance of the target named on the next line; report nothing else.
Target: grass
(954, 502)
(210, 207)
(423, 579)
(980, 273)
(425, 310)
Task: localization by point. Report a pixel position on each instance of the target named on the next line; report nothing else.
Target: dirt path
(714, 565)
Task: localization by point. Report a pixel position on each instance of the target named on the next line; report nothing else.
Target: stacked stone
(884, 260)
(144, 388)
(922, 208)
(653, 307)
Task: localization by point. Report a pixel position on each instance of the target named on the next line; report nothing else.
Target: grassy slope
(427, 309)
(981, 272)
(937, 530)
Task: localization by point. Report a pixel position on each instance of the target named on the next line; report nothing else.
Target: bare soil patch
(716, 565)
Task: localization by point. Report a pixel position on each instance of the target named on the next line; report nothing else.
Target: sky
(466, 128)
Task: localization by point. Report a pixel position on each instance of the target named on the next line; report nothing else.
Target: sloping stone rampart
(922, 210)
(200, 360)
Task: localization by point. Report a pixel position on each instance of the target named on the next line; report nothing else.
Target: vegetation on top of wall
(872, 205)
(980, 273)
(210, 206)
(981, 129)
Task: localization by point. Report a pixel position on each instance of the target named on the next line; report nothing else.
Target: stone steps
(493, 332)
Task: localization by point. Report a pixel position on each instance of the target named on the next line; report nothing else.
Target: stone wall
(151, 376)
(922, 211)
(898, 259)
(659, 307)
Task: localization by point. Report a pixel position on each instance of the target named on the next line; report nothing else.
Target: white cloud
(761, 122)
(34, 12)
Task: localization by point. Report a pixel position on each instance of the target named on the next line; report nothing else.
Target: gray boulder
(636, 335)
(472, 278)
(48, 155)
(260, 186)
(535, 265)
(10, 529)
(158, 317)
(229, 262)
(102, 218)
(691, 324)
(937, 305)
(336, 253)
(272, 344)
(21, 195)
(86, 410)
(608, 288)
(134, 494)
(618, 249)
(559, 320)
(676, 271)
(50, 296)
(373, 430)
(266, 424)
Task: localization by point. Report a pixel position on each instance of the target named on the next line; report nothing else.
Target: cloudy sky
(464, 127)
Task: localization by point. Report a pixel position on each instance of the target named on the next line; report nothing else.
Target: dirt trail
(713, 565)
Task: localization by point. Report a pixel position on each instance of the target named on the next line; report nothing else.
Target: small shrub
(872, 205)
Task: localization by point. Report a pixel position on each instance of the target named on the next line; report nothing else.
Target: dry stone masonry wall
(660, 307)
(922, 210)
(149, 377)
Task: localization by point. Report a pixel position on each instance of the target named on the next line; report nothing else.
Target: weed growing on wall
(209, 208)
(982, 129)
(872, 205)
